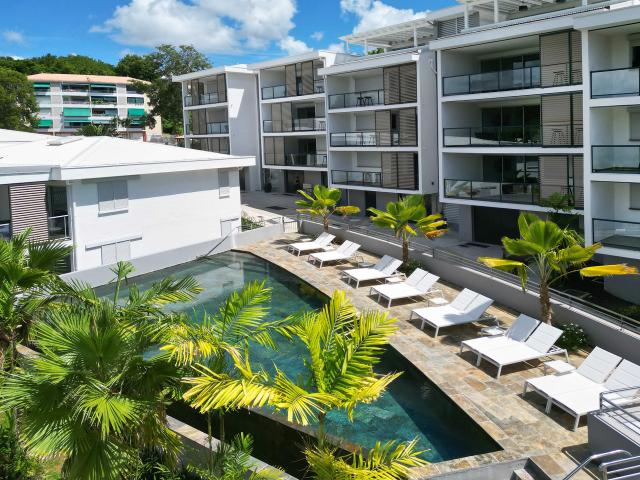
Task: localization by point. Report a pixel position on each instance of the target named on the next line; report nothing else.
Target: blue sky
(228, 31)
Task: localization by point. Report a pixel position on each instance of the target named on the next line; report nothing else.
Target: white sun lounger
(520, 330)
(343, 252)
(385, 268)
(419, 283)
(581, 402)
(467, 307)
(538, 345)
(323, 241)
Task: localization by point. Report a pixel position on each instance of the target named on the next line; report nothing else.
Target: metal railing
(372, 138)
(214, 128)
(501, 136)
(364, 98)
(59, 226)
(5, 230)
(375, 179)
(202, 99)
(317, 124)
(315, 160)
(622, 234)
(510, 192)
(615, 82)
(282, 91)
(593, 458)
(514, 79)
(615, 158)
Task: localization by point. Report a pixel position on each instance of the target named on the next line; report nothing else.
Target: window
(634, 196)
(635, 56)
(135, 100)
(634, 125)
(116, 252)
(112, 196)
(223, 181)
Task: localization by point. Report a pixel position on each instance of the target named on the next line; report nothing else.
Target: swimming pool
(413, 407)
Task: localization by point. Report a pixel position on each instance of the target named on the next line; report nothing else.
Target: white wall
(168, 211)
(428, 123)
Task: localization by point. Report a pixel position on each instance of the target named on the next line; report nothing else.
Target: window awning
(76, 112)
(77, 120)
(42, 85)
(45, 123)
(110, 85)
(135, 112)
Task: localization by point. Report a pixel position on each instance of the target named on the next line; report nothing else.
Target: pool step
(522, 474)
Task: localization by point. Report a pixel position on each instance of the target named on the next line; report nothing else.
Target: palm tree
(400, 215)
(27, 279)
(552, 253)
(324, 203)
(96, 394)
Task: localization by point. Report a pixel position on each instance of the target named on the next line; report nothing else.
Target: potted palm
(324, 203)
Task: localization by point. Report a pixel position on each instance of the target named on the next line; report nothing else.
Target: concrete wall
(428, 122)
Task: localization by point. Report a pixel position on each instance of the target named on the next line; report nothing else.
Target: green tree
(324, 203)
(141, 67)
(400, 217)
(77, 64)
(18, 106)
(98, 130)
(551, 254)
(96, 394)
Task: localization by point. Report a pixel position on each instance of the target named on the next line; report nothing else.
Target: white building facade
(67, 102)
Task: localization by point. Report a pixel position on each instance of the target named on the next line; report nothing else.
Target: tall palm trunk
(405, 248)
(325, 223)
(545, 303)
(321, 435)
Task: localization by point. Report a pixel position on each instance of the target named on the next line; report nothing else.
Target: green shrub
(409, 266)
(15, 463)
(573, 337)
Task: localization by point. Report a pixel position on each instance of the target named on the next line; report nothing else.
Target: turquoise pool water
(413, 407)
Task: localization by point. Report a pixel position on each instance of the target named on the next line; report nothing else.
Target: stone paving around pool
(518, 424)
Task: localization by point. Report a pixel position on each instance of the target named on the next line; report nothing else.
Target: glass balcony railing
(356, 177)
(510, 192)
(314, 160)
(615, 82)
(518, 78)
(59, 227)
(365, 98)
(373, 138)
(5, 230)
(318, 124)
(621, 234)
(202, 99)
(215, 128)
(615, 158)
(492, 136)
(282, 91)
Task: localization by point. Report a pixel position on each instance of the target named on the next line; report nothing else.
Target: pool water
(413, 407)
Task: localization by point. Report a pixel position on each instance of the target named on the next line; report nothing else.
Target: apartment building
(221, 115)
(113, 199)
(67, 102)
(293, 121)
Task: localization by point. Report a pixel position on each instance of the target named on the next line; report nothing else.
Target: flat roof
(75, 78)
(12, 137)
(76, 158)
(239, 68)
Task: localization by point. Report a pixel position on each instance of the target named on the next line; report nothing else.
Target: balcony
(503, 136)
(217, 128)
(283, 91)
(395, 181)
(515, 79)
(202, 99)
(373, 138)
(59, 227)
(510, 192)
(615, 158)
(317, 124)
(616, 82)
(314, 160)
(365, 98)
(617, 233)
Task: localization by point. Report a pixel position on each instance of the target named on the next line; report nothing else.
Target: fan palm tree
(96, 394)
(552, 253)
(400, 215)
(324, 203)
(27, 278)
(98, 130)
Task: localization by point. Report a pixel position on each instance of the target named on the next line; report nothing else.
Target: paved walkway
(518, 424)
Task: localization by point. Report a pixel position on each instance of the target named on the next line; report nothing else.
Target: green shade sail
(76, 112)
(45, 123)
(135, 112)
(42, 85)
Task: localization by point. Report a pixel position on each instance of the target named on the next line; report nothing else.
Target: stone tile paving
(518, 424)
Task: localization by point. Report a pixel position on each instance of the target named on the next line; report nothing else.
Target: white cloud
(317, 36)
(293, 46)
(336, 47)
(213, 26)
(16, 57)
(12, 36)
(124, 52)
(373, 14)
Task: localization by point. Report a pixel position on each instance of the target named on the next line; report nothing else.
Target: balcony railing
(617, 233)
(202, 99)
(365, 98)
(516, 79)
(492, 136)
(372, 138)
(315, 160)
(615, 82)
(615, 158)
(215, 128)
(59, 227)
(318, 124)
(510, 192)
(5, 230)
(282, 91)
(404, 181)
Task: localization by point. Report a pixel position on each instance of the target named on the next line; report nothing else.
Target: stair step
(522, 474)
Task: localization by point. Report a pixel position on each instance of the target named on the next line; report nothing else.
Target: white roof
(11, 137)
(209, 72)
(77, 158)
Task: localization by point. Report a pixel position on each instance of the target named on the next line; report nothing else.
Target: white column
(366, 46)
(466, 15)
(415, 37)
(496, 11)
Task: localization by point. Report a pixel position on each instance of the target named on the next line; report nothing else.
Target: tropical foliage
(18, 106)
(324, 203)
(549, 254)
(78, 64)
(406, 217)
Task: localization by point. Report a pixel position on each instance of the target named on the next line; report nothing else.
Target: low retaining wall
(603, 333)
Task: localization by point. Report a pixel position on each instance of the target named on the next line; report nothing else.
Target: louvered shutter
(307, 78)
(287, 121)
(554, 59)
(28, 206)
(389, 170)
(276, 117)
(269, 150)
(447, 27)
(223, 145)
(578, 180)
(553, 176)
(408, 83)
(120, 194)
(383, 128)
(290, 80)
(408, 127)
(576, 106)
(576, 57)
(556, 119)
(407, 170)
(391, 79)
(222, 88)
(279, 150)
(318, 83)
